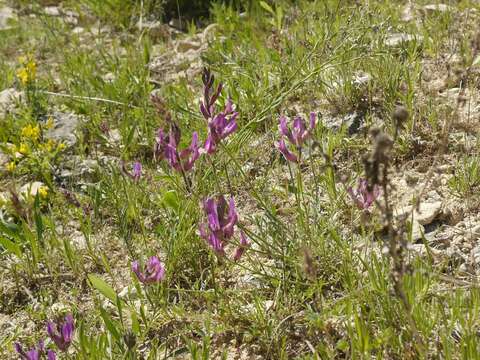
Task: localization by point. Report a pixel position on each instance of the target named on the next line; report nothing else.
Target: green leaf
(267, 7)
(103, 287)
(170, 199)
(10, 246)
(111, 326)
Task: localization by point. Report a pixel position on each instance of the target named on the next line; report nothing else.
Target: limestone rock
(7, 16)
(8, 99)
(398, 39)
(64, 126)
(436, 8)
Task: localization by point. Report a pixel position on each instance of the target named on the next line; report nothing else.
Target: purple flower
(51, 355)
(136, 172)
(32, 354)
(222, 125)
(220, 226)
(282, 147)
(182, 160)
(243, 246)
(295, 136)
(153, 272)
(61, 332)
(210, 96)
(161, 141)
(362, 196)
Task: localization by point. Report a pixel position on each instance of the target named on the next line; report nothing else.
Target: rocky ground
(318, 279)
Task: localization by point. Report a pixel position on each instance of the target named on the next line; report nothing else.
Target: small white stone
(399, 38)
(432, 8)
(52, 11)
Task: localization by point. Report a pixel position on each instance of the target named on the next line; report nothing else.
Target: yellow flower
(61, 147)
(32, 69)
(24, 149)
(11, 166)
(31, 132)
(49, 145)
(43, 191)
(22, 74)
(28, 71)
(49, 123)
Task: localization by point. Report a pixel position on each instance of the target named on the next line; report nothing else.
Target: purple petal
(51, 355)
(212, 214)
(33, 354)
(282, 147)
(68, 328)
(284, 130)
(51, 329)
(18, 348)
(228, 106)
(241, 249)
(137, 170)
(137, 271)
(231, 220)
(210, 145)
(216, 244)
(155, 269)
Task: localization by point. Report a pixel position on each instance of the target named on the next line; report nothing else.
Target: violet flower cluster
(219, 228)
(167, 147)
(296, 136)
(153, 272)
(362, 196)
(35, 353)
(219, 125)
(60, 332)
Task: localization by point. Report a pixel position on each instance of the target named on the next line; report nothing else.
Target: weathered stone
(436, 8)
(7, 16)
(64, 126)
(8, 99)
(399, 39)
(51, 11)
(426, 213)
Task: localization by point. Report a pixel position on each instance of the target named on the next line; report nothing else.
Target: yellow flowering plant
(27, 72)
(31, 150)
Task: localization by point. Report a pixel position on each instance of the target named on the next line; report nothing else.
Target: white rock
(9, 98)
(7, 15)
(432, 8)
(128, 292)
(3, 159)
(426, 213)
(64, 126)
(78, 30)
(78, 240)
(399, 39)
(51, 11)
(71, 17)
(407, 13)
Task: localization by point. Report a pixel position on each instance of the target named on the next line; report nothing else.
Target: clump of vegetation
(292, 180)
